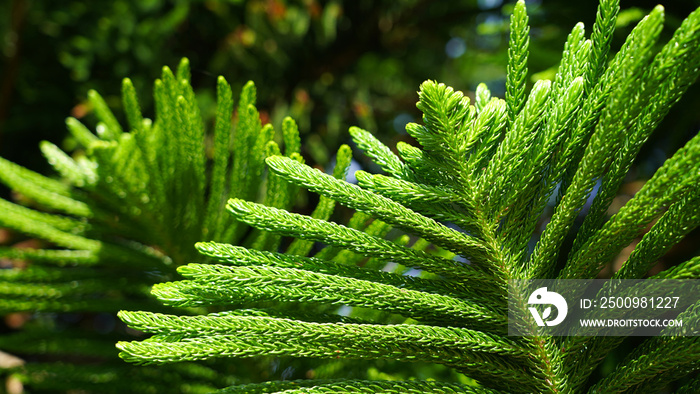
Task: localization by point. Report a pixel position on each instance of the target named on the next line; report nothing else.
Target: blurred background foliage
(329, 64)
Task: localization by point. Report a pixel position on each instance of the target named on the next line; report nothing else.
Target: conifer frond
(295, 225)
(378, 206)
(686, 270)
(483, 97)
(326, 205)
(667, 186)
(66, 166)
(432, 201)
(212, 285)
(605, 141)
(517, 60)
(669, 230)
(355, 386)
(667, 78)
(499, 174)
(132, 109)
(380, 153)
(237, 255)
(109, 129)
(51, 256)
(222, 141)
(449, 338)
(600, 39)
(51, 193)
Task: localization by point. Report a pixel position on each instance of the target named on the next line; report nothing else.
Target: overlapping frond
(131, 202)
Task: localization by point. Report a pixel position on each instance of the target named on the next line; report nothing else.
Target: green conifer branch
(687, 270)
(59, 222)
(601, 36)
(46, 191)
(326, 205)
(533, 187)
(247, 129)
(445, 111)
(222, 141)
(276, 195)
(375, 228)
(110, 128)
(450, 338)
(432, 201)
(183, 72)
(483, 136)
(59, 257)
(380, 153)
(494, 183)
(668, 77)
(424, 167)
(132, 109)
(304, 227)
(378, 206)
(68, 168)
(212, 286)
(606, 139)
(483, 97)
(517, 60)
(81, 133)
(290, 134)
(518, 140)
(354, 386)
(674, 224)
(237, 255)
(667, 186)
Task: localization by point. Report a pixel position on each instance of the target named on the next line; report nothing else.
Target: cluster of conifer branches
(125, 212)
(474, 190)
(419, 273)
